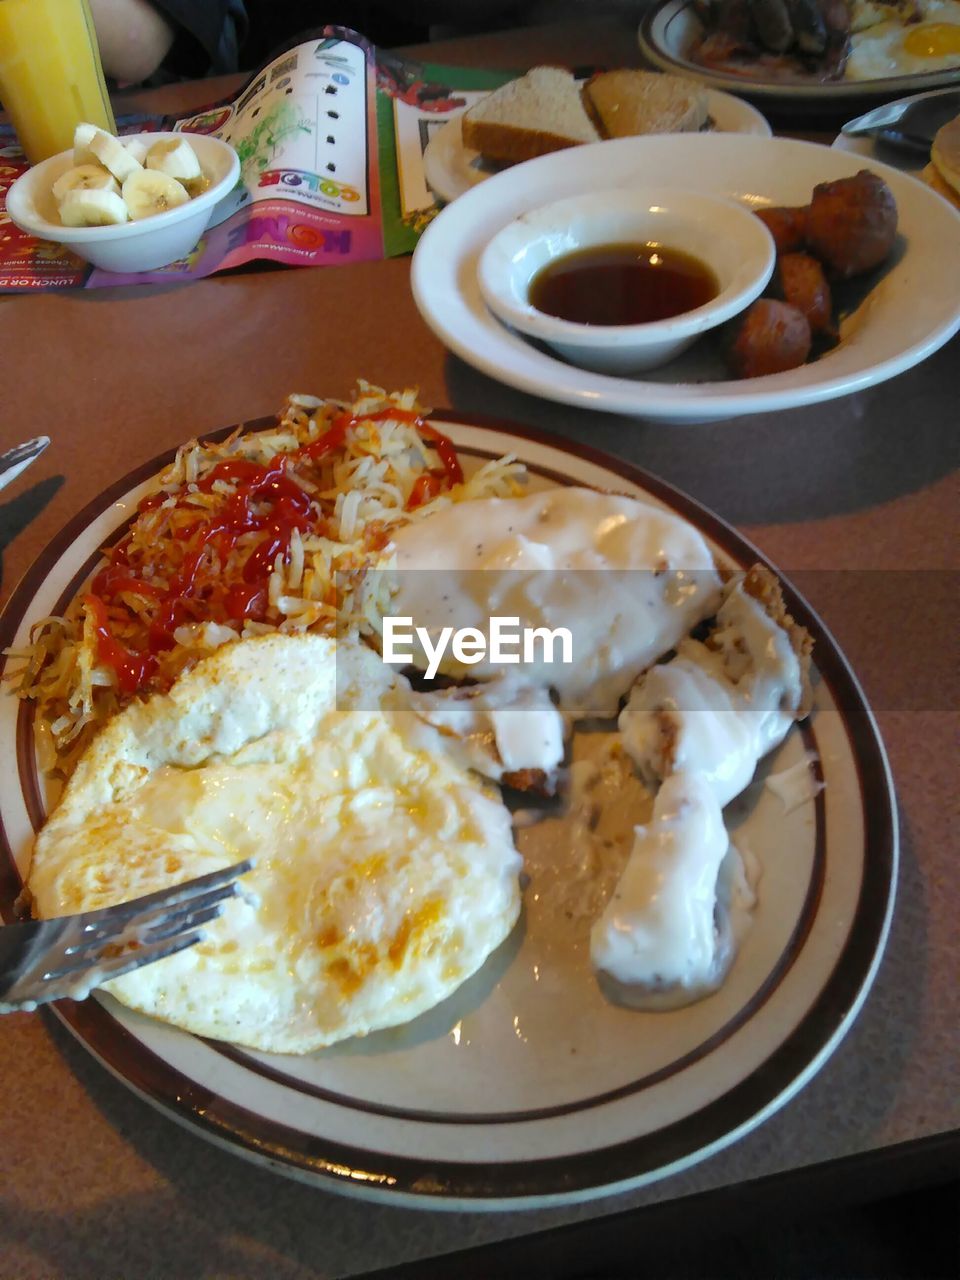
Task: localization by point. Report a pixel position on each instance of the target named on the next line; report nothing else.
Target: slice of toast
(539, 113)
(627, 103)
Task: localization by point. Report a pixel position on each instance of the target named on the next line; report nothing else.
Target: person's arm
(134, 38)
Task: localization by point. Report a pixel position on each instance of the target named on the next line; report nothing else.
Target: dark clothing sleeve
(208, 35)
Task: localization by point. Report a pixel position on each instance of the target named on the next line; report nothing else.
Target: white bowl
(130, 246)
(721, 233)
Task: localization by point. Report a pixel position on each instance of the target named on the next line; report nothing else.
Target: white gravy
(659, 930)
(725, 708)
(628, 580)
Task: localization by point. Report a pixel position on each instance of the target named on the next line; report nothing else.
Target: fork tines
(43, 960)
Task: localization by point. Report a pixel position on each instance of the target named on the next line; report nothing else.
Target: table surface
(93, 1182)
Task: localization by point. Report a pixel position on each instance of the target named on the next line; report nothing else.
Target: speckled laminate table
(94, 1183)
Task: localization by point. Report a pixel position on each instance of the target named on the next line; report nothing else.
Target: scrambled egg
(385, 873)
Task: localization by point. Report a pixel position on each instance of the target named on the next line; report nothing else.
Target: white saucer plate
(903, 158)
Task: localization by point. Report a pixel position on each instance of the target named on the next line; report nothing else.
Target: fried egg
(868, 13)
(385, 873)
(895, 49)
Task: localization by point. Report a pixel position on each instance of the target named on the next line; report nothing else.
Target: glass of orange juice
(50, 73)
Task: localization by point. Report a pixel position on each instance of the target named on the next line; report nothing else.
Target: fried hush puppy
(787, 226)
(800, 281)
(852, 224)
(849, 227)
(771, 337)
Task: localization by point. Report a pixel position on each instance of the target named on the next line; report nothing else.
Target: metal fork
(43, 960)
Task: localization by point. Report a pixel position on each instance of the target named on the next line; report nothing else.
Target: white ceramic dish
(912, 310)
(451, 168)
(872, 149)
(527, 1088)
(722, 234)
(130, 246)
(669, 30)
(902, 158)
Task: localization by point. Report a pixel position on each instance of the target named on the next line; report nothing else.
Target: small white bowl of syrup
(624, 280)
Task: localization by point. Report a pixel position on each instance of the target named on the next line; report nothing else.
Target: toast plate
(451, 168)
(526, 1088)
(903, 312)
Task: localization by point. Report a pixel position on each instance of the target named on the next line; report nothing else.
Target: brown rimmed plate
(669, 30)
(527, 1088)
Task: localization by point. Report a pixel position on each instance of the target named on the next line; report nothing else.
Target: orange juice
(50, 73)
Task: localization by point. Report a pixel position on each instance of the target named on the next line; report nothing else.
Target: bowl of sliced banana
(128, 204)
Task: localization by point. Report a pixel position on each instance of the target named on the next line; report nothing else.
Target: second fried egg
(893, 48)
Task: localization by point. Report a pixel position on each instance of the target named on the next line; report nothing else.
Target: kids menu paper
(330, 136)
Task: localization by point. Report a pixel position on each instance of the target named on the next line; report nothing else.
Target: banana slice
(113, 155)
(84, 207)
(82, 137)
(85, 177)
(147, 192)
(174, 157)
(136, 147)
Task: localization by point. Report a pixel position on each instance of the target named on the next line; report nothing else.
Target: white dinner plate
(669, 30)
(451, 168)
(527, 1087)
(912, 309)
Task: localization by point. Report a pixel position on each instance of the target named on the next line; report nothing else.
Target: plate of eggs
(511, 939)
(812, 55)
